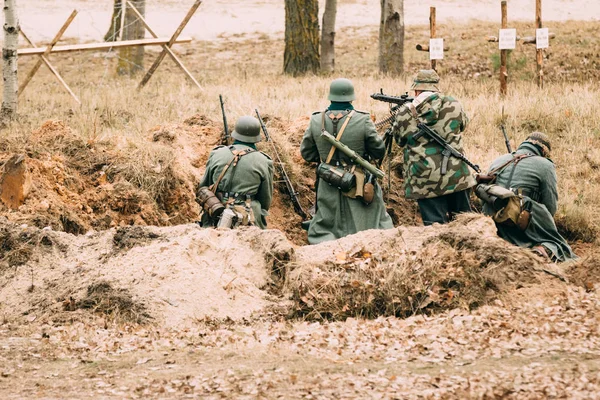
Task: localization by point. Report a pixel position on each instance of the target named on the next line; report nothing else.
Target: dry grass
(455, 268)
(248, 74)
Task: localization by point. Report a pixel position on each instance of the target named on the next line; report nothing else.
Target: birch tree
(9, 58)
(328, 37)
(301, 54)
(391, 37)
(131, 59)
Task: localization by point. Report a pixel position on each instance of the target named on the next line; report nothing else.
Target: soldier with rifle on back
(436, 173)
(520, 193)
(237, 187)
(349, 198)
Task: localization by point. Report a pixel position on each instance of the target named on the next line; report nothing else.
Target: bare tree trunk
(301, 53)
(9, 58)
(114, 31)
(391, 37)
(328, 37)
(131, 59)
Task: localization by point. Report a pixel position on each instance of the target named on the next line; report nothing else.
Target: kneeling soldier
(241, 177)
(349, 200)
(521, 196)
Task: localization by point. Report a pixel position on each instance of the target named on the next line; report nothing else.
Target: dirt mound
(172, 275)
(585, 272)
(409, 270)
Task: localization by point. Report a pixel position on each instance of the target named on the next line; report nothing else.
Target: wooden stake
(503, 53)
(162, 55)
(165, 47)
(432, 32)
(539, 53)
(37, 65)
(101, 46)
(52, 69)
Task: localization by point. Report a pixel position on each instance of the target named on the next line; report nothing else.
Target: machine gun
(388, 137)
(397, 100)
(447, 151)
(226, 136)
(284, 176)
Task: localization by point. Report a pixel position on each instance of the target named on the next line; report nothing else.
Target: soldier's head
(341, 90)
(247, 129)
(541, 141)
(426, 81)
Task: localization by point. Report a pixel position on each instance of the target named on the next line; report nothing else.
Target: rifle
(226, 136)
(447, 151)
(506, 140)
(286, 179)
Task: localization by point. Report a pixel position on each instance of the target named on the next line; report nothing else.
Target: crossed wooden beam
(43, 57)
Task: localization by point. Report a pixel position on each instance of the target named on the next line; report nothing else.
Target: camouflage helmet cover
(541, 141)
(341, 90)
(426, 80)
(247, 129)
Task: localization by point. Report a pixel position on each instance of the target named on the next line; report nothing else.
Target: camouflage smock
(423, 157)
(337, 215)
(253, 175)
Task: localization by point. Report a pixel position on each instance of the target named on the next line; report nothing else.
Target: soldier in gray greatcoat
(340, 213)
(530, 173)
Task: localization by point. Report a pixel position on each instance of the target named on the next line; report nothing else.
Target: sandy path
(221, 18)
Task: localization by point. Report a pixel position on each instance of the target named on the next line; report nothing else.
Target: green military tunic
(423, 157)
(337, 215)
(253, 175)
(535, 178)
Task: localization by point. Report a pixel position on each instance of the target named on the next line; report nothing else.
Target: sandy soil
(220, 18)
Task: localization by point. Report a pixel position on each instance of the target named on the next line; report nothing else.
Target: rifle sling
(339, 135)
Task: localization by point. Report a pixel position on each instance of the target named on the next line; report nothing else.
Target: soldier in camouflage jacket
(439, 196)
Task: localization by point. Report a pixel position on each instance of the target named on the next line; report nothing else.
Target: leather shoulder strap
(237, 154)
(339, 137)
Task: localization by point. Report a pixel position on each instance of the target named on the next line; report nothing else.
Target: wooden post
(539, 53)
(432, 32)
(503, 53)
(164, 46)
(47, 51)
(162, 55)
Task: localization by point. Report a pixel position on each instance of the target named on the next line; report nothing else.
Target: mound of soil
(171, 275)
(409, 270)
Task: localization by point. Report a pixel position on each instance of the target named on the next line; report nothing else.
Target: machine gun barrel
(405, 98)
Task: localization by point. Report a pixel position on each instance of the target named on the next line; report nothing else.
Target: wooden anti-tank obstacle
(43, 53)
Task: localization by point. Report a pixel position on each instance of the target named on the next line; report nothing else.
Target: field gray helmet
(341, 90)
(247, 129)
(541, 141)
(426, 80)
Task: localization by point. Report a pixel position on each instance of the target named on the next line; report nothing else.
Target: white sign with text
(507, 39)
(436, 49)
(542, 38)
